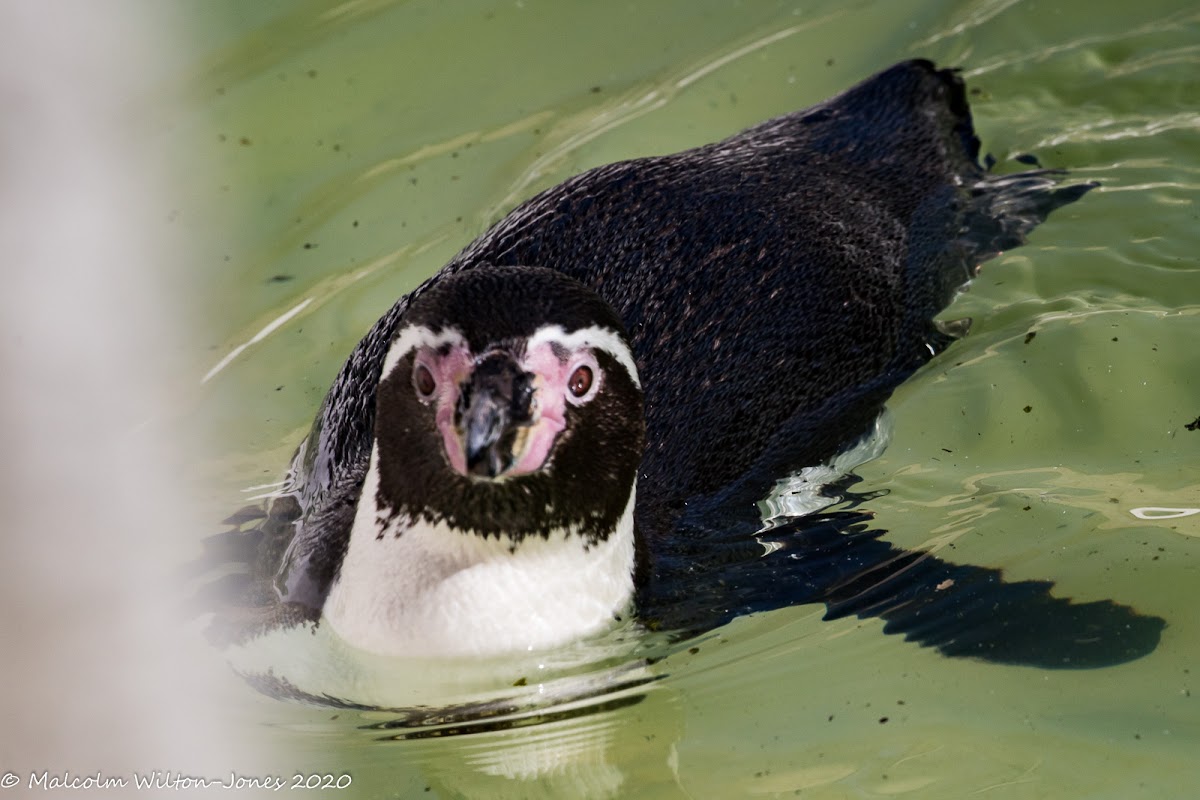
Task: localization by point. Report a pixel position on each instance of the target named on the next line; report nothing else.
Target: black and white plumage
(497, 508)
(772, 290)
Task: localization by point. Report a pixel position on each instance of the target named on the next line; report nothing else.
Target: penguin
(577, 417)
(497, 506)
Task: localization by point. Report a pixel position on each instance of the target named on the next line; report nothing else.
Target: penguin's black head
(509, 405)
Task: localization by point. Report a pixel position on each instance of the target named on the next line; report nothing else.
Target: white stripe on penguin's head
(593, 337)
(414, 337)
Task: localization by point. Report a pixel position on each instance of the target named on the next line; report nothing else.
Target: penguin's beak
(494, 413)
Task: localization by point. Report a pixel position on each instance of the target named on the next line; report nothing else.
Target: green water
(337, 154)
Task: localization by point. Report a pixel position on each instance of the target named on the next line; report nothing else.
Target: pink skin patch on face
(552, 392)
(448, 371)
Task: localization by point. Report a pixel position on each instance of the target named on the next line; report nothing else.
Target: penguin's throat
(420, 588)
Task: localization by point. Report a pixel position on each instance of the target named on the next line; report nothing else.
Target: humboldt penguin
(577, 417)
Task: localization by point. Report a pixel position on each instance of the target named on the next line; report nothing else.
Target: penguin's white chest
(424, 589)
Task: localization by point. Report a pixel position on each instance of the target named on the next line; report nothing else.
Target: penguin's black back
(776, 287)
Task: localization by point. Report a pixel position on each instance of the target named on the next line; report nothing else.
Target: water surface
(350, 149)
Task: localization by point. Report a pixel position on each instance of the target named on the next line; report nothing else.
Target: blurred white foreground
(96, 677)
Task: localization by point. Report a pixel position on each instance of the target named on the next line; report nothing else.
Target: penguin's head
(509, 404)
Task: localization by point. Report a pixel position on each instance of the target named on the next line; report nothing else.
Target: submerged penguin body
(765, 295)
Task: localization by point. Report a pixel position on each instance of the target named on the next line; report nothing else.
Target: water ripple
(973, 17)
(284, 37)
(1109, 129)
(1170, 22)
(575, 131)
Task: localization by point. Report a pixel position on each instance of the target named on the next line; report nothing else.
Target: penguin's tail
(1001, 209)
(1005, 208)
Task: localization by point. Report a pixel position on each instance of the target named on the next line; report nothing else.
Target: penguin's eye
(581, 381)
(423, 381)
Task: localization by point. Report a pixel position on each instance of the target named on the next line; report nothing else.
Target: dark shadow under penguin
(773, 289)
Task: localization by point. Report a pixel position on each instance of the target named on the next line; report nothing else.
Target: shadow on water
(839, 559)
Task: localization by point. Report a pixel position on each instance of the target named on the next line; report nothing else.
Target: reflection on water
(584, 753)
(1008, 452)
